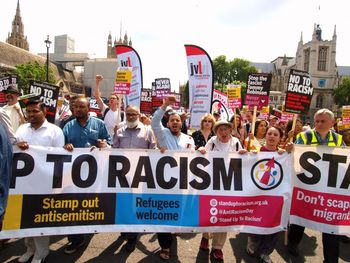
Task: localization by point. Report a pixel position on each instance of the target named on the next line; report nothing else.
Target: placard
(299, 92)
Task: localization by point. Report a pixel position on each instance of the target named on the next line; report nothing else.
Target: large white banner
(57, 192)
(201, 83)
(128, 57)
(321, 192)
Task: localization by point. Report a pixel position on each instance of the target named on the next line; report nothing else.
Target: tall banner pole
(201, 83)
(128, 57)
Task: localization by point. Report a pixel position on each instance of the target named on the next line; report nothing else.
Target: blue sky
(257, 30)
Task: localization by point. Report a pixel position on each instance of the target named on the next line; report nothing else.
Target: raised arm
(97, 92)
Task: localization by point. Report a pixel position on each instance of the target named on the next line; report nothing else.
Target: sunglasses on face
(207, 121)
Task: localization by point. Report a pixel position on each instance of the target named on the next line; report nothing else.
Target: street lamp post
(47, 43)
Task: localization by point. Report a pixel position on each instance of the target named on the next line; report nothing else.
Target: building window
(322, 58)
(306, 59)
(319, 102)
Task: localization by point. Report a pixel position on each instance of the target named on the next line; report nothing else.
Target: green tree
(32, 71)
(342, 92)
(185, 95)
(239, 69)
(226, 72)
(221, 69)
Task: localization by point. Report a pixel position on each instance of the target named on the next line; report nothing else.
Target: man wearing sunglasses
(112, 114)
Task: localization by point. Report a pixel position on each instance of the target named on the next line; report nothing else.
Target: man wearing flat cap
(12, 108)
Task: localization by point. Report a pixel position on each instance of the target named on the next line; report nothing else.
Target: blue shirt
(6, 156)
(165, 138)
(85, 136)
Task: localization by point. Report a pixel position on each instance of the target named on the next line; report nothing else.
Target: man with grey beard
(133, 135)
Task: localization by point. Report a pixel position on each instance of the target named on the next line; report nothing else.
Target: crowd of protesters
(165, 130)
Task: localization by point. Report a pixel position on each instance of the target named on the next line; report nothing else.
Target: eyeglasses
(131, 114)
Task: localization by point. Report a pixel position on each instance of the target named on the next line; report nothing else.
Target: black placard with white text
(5, 82)
(48, 94)
(299, 92)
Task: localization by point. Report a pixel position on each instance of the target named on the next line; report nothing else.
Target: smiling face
(261, 129)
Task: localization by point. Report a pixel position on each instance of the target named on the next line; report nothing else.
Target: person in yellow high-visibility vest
(322, 134)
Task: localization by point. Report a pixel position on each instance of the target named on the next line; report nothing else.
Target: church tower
(111, 48)
(318, 58)
(17, 38)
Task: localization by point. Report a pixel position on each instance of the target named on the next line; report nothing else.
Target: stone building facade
(318, 57)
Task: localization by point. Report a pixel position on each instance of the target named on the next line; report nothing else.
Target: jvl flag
(200, 73)
(128, 57)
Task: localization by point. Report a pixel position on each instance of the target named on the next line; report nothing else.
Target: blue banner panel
(156, 209)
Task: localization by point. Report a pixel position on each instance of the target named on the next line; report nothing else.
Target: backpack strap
(106, 110)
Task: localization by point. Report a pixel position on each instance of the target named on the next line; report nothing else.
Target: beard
(132, 124)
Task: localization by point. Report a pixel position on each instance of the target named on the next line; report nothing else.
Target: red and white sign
(200, 74)
(321, 197)
(128, 57)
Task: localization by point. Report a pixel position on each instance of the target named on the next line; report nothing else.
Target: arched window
(322, 59)
(319, 102)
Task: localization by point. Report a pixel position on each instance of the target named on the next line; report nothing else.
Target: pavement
(109, 247)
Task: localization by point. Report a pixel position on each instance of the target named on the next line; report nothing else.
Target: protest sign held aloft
(299, 92)
(48, 94)
(258, 90)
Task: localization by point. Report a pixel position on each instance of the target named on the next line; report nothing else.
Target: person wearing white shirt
(112, 115)
(223, 142)
(38, 131)
(12, 108)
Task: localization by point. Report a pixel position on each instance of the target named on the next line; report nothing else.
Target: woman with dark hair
(202, 136)
(238, 131)
(289, 134)
(256, 140)
(263, 245)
